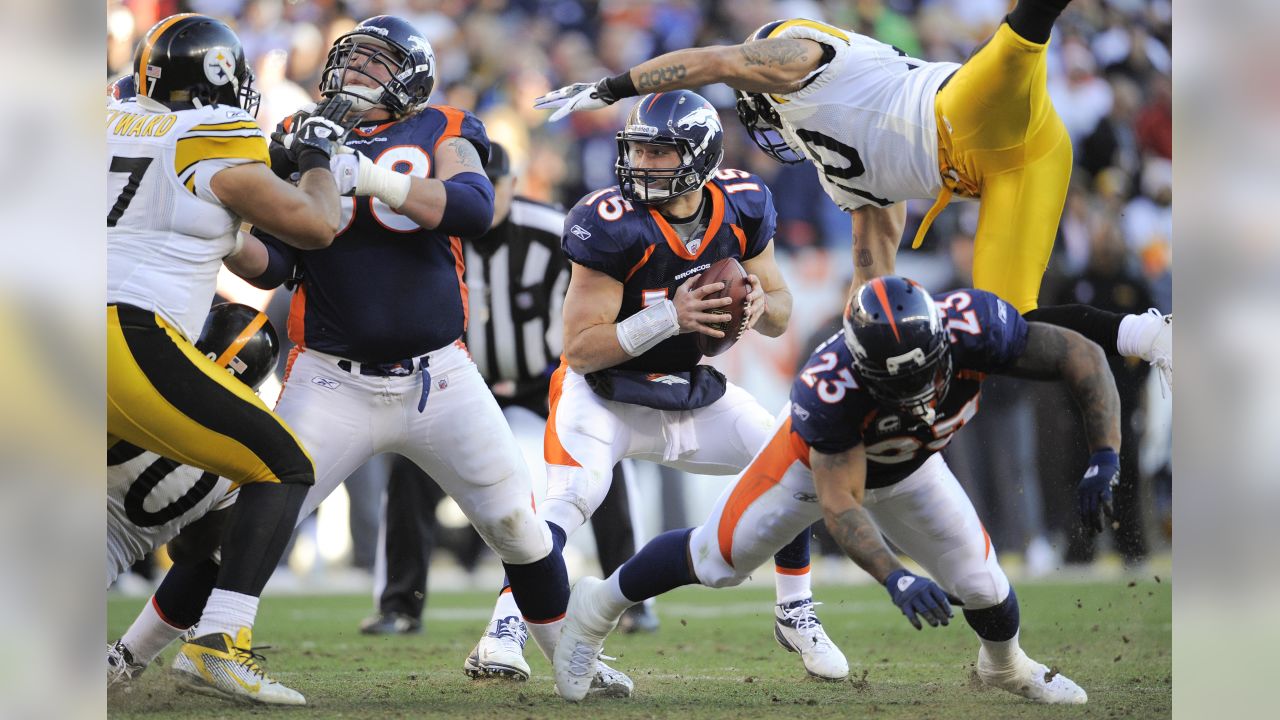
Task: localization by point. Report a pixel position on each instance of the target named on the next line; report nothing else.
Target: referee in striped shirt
(516, 276)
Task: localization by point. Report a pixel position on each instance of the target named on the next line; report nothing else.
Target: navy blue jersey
(385, 289)
(636, 246)
(832, 413)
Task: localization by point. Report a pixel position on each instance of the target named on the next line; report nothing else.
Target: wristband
(385, 184)
(641, 332)
(621, 86)
(311, 158)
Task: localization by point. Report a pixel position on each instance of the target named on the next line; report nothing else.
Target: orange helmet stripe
(878, 286)
(149, 42)
(244, 337)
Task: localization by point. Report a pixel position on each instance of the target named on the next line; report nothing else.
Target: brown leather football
(731, 273)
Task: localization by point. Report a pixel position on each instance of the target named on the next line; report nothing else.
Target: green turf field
(714, 657)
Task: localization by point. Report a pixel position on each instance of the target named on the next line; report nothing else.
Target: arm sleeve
(281, 260)
(468, 207)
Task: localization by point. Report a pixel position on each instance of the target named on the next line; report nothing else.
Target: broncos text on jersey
(832, 413)
(636, 246)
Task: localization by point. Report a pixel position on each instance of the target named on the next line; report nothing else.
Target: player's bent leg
(174, 608)
(929, 516)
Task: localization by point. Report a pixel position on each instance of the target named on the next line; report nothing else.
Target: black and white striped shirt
(516, 277)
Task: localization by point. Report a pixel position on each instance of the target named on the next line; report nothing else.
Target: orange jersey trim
(636, 268)
(460, 267)
(453, 124)
(297, 316)
(673, 240)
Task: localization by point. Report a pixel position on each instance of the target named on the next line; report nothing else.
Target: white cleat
(798, 630)
(1031, 680)
(121, 667)
(609, 682)
(1160, 350)
(500, 653)
(214, 665)
(581, 640)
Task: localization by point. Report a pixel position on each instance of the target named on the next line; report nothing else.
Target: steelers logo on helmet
(242, 340)
(901, 350)
(681, 120)
(384, 61)
(192, 60)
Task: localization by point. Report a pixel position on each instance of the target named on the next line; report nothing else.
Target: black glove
(314, 133)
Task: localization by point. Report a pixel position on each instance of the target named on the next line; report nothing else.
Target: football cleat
(214, 665)
(609, 682)
(581, 640)
(121, 667)
(500, 652)
(798, 630)
(1031, 680)
(390, 623)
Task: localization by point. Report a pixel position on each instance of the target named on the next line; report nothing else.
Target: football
(731, 273)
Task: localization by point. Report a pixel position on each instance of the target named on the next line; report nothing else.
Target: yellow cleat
(214, 665)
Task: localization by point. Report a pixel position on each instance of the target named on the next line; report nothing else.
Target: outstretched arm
(774, 65)
(840, 481)
(1055, 353)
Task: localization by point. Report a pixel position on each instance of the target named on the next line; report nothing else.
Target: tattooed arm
(777, 65)
(1055, 353)
(840, 480)
(876, 234)
(459, 199)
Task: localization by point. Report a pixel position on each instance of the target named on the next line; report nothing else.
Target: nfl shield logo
(442, 383)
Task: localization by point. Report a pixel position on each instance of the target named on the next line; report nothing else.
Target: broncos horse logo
(706, 117)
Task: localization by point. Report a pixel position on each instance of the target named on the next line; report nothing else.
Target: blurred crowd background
(1110, 66)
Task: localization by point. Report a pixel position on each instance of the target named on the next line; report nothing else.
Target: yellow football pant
(163, 395)
(1000, 139)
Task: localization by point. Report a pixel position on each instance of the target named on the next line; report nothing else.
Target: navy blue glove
(1094, 493)
(919, 595)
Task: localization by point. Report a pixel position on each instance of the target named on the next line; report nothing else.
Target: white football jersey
(166, 231)
(866, 118)
(150, 499)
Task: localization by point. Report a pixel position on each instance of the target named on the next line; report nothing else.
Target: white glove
(575, 97)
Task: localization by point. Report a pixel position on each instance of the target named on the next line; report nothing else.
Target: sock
(660, 566)
(791, 570)
(149, 634)
(997, 628)
(182, 593)
(227, 612)
(1100, 326)
(506, 605)
(1136, 334)
(545, 635)
(1033, 19)
(257, 534)
(541, 588)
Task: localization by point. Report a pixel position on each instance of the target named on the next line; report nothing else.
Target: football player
(631, 384)
(151, 499)
(868, 416)
(186, 162)
(378, 318)
(881, 127)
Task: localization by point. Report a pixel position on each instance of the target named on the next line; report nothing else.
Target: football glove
(1093, 495)
(920, 596)
(322, 127)
(575, 97)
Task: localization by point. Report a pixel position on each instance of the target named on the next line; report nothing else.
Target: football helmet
(761, 119)
(242, 340)
(192, 60)
(122, 88)
(900, 346)
(682, 119)
(389, 43)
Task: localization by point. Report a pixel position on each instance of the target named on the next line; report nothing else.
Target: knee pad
(517, 537)
(982, 589)
(710, 567)
(581, 487)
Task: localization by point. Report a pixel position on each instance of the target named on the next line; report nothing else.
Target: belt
(398, 368)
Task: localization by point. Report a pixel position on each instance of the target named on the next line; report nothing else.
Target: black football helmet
(240, 339)
(761, 119)
(122, 88)
(682, 119)
(192, 60)
(901, 349)
(396, 46)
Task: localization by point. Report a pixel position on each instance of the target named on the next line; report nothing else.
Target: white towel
(680, 433)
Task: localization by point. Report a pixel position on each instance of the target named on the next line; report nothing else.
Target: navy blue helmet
(393, 44)
(192, 60)
(242, 340)
(901, 349)
(683, 120)
(122, 88)
(759, 117)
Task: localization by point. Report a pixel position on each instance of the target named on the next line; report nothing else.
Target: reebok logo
(905, 582)
(581, 232)
(1091, 472)
(325, 382)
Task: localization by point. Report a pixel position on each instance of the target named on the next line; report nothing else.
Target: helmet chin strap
(364, 98)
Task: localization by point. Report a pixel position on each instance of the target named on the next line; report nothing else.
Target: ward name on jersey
(150, 499)
(865, 119)
(832, 414)
(380, 258)
(636, 246)
(167, 232)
